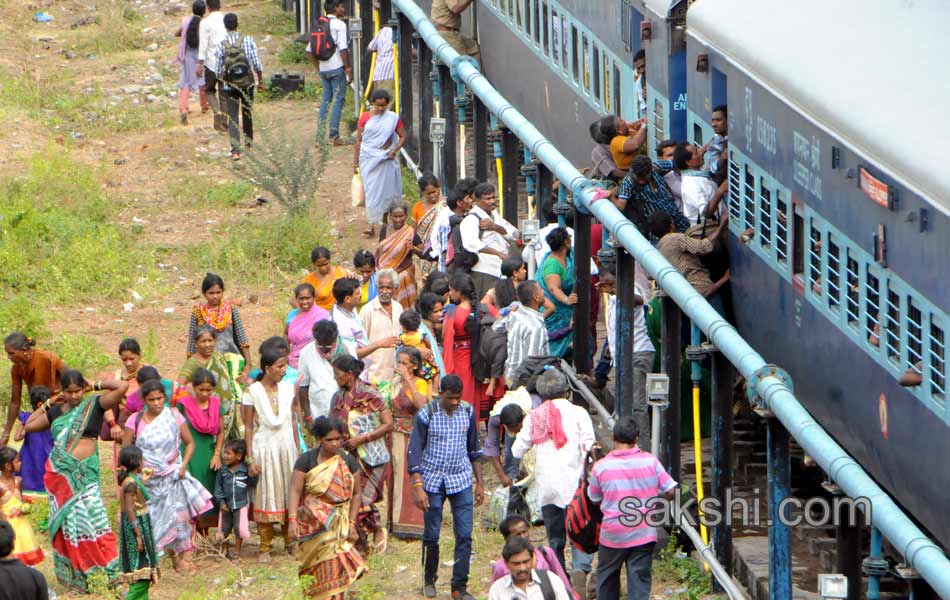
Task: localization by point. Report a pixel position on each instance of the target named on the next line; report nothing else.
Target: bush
(293, 53)
(81, 353)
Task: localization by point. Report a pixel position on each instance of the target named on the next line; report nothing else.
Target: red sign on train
(874, 188)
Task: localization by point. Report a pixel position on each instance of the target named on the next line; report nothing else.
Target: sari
(139, 568)
(25, 546)
(324, 286)
(204, 424)
(300, 330)
(327, 557)
(424, 230)
(359, 409)
(395, 252)
(173, 502)
(460, 350)
(83, 542)
(382, 178)
(226, 368)
(406, 521)
(560, 333)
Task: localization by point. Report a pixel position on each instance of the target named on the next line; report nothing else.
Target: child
(15, 510)
(410, 321)
(137, 554)
(231, 497)
(36, 446)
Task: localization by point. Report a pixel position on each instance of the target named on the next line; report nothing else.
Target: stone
(132, 89)
(151, 47)
(151, 98)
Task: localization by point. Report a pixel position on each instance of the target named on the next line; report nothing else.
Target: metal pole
(583, 328)
(848, 549)
(480, 126)
(449, 113)
(875, 559)
(366, 17)
(723, 376)
(670, 362)
(426, 162)
(545, 189)
(385, 12)
(408, 75)
(780, 543)
(623, 361)
(511, 167)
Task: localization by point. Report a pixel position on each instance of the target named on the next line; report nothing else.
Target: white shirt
(696, 192)
(527, 336)
(540, 248)
(489, 264)
(316, 374)
(440, 231)
(211, 33)
(505, 589)
(341, 37)
(558, 470)
(379, 326)
(641, 339)
(383, 45)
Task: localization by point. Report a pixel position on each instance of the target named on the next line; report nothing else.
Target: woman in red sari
(460, 330)
(398, 243)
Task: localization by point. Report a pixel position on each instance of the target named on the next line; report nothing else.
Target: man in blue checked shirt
(239, 97)
(444, 452)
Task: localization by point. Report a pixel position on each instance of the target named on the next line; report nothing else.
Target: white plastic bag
(356, 191)
(497, 507)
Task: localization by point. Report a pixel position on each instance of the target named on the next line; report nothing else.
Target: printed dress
(137, 567)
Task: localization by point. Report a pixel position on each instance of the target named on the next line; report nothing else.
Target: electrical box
(436, 130)
(529, 230)
(356, 28)
(658, 389)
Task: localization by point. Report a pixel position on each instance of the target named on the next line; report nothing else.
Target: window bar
(834, 274)
(852, 307)
(765, 215)
(893, 325)
(749, 188)
(915, 343)
(872, 309)
(781, 229)
(814, 258)
(938, 364)
(735, 207)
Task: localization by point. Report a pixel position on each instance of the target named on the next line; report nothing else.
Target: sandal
(380, 546)
(235, 156)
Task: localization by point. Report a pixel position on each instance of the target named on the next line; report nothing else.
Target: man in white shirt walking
(211, 32)
(335, 72)
(380, 317)
(485, 233)
(562, 434)
(525, 581)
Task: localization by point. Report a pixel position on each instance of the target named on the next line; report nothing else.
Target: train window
(618, 109)
(659, 122)
(781, 228)
(585, 49)
(575, 64)
(536, 27)
(625, 20)
(765, 215)
(798, 243)
(938, 362)
(697, 134)
(565, 41)
(518, 20)
(872, 309)
(605, 72)
(511, 8)
(833, 274)
(915, 341)
(749, 195)
(853, 295)
(494, 3)
(814, 257)
(595, 67)
(545, 28)
(735, 191)
(892, 326)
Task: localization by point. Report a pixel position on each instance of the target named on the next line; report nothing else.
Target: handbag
(357, 195)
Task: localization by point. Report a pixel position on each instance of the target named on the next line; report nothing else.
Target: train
(839, 212)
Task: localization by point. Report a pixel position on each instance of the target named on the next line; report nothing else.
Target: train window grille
(618, 109)
(781, 229)
(575, 63)
(528, 16)
(595, 67)
(659, 123)
(765, 215)
(512, 7)
(892, 326)
(518, 20)
(915, 342)
(872, 309)
(853, 297)
(798, 244)
(536, 27)
(626, 24)
(565, 45)
(938, 362)
(735, 191)
(585, 55)
(814, 257)
(545, 28)
(555, 37)
(833, 275)
(749, 195)
(606, 78)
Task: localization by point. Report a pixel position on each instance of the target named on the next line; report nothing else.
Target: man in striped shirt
(623, 482)
(384, 72)
(527, 335)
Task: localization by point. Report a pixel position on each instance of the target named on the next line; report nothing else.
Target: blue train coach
(839, 201)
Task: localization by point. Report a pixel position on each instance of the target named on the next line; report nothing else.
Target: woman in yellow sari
(324, 503)
(398, 243)
(322, 277)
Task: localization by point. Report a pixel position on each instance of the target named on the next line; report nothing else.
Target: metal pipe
(588, 395)
(779, 483)
(922, 554)
(718, 572)
(723, 377)
(874, 582)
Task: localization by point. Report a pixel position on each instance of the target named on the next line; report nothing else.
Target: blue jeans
(463, 505)
(334, 90)
(639, 562)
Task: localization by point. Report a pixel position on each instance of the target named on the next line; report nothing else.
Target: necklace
(218, 317)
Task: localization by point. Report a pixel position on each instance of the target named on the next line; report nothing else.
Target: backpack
(322, 44)
(458, 257)
(236, 68)
(583, 516)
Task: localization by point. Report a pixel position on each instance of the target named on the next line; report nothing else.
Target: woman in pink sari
(300, 321)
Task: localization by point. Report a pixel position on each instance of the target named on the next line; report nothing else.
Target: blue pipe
(561, 199)
(496, 145)
(919, 551)
(877, 547)
(528, 179)
(779, 481)
(695, 369)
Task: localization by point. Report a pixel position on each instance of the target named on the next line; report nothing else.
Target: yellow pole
(396, 77)
(501, 185)
(372, 60)
(698, 459)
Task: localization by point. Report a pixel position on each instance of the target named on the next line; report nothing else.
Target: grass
(293, 53)
(118, 29)
(82, 353)
(200, 192)
(678, 570)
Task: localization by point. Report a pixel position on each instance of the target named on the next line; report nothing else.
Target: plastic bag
(497, 508)
(356, 191)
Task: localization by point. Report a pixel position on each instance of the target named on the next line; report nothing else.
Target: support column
(426, 100)
(544, 190)
(407, 76)
(385, 12)
(480, 126)
(450, 114)
(670, 362)
(583, 328)
(511, 167)
(848, 549)
(780, 543)
(366, 19)
(723, 376)
(623, 370)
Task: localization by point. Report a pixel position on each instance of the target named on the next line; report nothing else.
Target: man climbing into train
(446, 15)
(717, 146)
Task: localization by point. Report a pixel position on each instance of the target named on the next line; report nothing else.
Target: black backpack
(236, 68)
(461, 258)
(322, 44)
(583, 516)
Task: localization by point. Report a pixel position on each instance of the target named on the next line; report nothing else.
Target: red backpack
(322, 44)
(583, 516)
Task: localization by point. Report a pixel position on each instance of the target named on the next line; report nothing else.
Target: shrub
(293, 53)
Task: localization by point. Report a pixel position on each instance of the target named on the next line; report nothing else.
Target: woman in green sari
(556, 276)
(83, 542)
(203, 411)
(227, 369)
